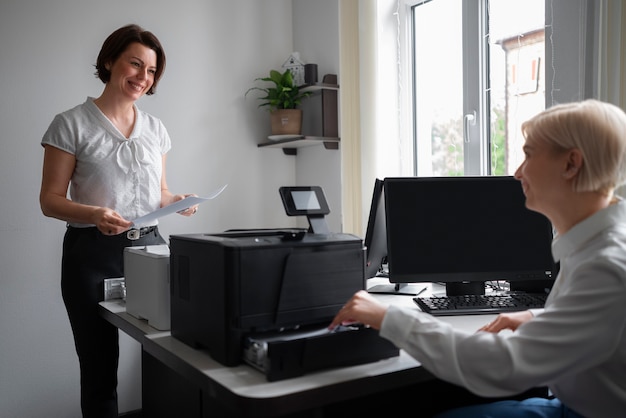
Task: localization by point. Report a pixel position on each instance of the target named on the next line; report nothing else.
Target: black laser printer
(266, 296)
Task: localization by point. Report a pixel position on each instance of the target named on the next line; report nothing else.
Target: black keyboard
(480, 304)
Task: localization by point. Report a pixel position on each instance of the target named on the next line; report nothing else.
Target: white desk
(242, 390)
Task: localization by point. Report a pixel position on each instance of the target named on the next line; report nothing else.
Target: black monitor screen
(464, 229)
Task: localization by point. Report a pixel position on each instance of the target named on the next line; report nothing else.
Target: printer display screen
(305, 200)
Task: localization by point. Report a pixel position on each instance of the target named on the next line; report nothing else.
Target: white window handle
(469, 120)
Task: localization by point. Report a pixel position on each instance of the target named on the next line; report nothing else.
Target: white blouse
(112, 171)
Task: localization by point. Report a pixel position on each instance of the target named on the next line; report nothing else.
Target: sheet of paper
(179, 206)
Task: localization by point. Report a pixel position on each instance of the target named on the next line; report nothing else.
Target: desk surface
(249, 390)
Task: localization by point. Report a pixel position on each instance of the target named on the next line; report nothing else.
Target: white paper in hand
(181, 205)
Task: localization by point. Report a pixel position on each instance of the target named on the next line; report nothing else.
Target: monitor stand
(409, 289)
(465, 288)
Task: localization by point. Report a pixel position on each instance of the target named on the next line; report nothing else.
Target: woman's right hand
(362, 308)
(511, 320)
(110, 222)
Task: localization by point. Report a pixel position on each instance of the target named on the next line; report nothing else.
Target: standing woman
(111, 157)
(575, 159)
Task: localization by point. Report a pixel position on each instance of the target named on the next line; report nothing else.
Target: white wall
(215, 48)
(316, 38)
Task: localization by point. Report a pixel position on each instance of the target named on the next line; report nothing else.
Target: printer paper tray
(294, 353)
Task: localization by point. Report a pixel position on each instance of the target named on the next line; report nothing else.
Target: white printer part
(147, 276)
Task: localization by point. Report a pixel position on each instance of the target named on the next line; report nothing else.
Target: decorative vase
(286, 121)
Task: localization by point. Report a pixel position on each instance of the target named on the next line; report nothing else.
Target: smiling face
(132, 74)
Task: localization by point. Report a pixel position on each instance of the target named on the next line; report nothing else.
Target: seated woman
(575, 158)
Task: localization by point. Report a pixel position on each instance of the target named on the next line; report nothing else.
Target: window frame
(476, 105)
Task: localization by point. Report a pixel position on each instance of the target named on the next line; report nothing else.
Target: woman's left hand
(191, 210)
(509, 320)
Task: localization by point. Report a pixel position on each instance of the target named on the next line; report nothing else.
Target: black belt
(135, 234)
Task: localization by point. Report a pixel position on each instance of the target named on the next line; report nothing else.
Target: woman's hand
(110, 222)
(362, 308)
(507, 321)
(191, 210)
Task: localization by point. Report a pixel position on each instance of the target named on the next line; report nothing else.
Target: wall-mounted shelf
(290, 146)
(329, 120)
(319, 86)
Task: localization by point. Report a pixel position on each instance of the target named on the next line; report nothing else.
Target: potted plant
(282, 100)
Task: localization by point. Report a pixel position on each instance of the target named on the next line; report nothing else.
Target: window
(478, 71)
(581, 38)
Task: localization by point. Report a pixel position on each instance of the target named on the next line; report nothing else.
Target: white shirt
(112, 171)
(576, 345)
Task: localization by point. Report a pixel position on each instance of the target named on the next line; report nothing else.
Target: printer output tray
(282, 355)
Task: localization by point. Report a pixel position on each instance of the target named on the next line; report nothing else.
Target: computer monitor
(464, 231)
(376, 234)
(376, 246)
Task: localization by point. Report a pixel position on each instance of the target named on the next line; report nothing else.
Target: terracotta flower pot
(286, 121)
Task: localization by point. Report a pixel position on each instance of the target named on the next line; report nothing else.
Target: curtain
(358, 27)
(611, 57)
(611, 80)
(350, 116)
(371, 109)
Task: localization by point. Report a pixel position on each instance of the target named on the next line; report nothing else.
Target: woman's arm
(58, 167)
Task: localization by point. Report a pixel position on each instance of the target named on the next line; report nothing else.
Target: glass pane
(516, 78)
(517, 75)
(438, 81)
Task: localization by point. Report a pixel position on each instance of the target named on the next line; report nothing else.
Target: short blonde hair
(597, 129)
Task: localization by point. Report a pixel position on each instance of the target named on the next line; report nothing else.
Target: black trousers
(89, 257)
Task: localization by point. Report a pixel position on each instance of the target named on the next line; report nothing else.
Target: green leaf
(283, 95)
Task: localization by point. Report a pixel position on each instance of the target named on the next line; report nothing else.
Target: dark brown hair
(118, 41)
